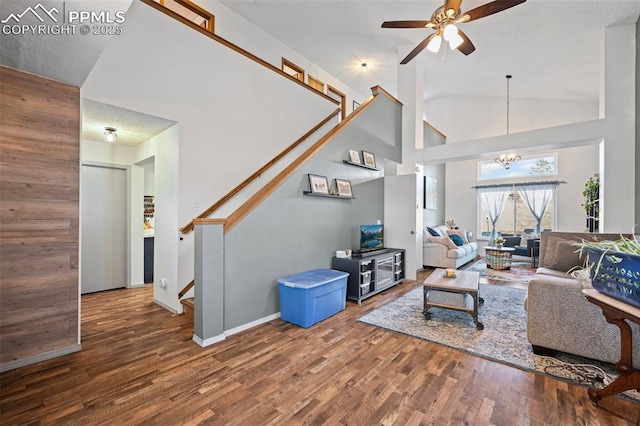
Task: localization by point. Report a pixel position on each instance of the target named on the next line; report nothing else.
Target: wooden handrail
(234, 218)
(189, 226)
(234, 47)
(186, 289)
(434, 129)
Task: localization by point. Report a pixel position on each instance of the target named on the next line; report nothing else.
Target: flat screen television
(371, 237)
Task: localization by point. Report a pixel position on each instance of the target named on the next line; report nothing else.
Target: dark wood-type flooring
(139, 365)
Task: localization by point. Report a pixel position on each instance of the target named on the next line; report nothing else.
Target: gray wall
(290, 232)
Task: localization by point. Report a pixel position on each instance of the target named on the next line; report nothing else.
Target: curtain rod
(507, 185)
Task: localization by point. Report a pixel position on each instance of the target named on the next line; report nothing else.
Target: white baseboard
(221, 337)
(137, 285)
(38, 358)
(252, 324)
(164, 305)
(210, 341)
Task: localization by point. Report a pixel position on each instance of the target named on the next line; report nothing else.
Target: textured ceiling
(551, 47)
(132, 127)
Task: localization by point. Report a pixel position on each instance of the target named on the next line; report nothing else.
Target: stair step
(188, 305)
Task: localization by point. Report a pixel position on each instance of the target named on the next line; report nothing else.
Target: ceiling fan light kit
(444, 21)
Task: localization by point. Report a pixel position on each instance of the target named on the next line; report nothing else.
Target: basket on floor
(616, 274)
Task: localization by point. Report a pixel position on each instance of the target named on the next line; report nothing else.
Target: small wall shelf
(364, 166)
(314, 194)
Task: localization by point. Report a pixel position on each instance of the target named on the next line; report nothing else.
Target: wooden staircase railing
(186, 289)
(189, 226)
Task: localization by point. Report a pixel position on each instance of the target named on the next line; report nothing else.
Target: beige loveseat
(559, 317)
(439, 255)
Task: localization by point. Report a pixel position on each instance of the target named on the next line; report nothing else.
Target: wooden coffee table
(459, 293)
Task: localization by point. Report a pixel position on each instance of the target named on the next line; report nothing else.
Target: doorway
(104, 228)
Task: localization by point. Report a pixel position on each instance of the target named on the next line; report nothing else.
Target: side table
(616, 312)
(499, 257)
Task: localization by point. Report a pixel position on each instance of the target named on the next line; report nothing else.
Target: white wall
(468, 118)
(236, 29)
(164, 150)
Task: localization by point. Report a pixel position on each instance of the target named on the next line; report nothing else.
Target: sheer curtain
(537, 197)
(493, 201)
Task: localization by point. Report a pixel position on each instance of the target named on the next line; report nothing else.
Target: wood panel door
(104, 227)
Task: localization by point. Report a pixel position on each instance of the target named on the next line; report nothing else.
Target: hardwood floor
(139, 365)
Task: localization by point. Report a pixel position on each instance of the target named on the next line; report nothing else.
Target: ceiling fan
(444, 21)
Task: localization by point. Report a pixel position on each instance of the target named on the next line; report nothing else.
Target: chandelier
(506, 160)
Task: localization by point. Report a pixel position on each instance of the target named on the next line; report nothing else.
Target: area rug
(504, 338)
(520, 272)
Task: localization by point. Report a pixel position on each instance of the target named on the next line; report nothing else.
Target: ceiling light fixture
(110, 135)
(506, 160)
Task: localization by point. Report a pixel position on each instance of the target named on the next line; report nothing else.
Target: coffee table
(459, 293)
(499, 257)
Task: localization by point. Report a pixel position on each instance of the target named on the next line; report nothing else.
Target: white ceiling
(551, 47)
(132, 127)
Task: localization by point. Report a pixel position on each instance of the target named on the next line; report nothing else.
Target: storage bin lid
(313, 278)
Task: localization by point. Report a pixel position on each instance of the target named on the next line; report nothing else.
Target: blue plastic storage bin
(310, 297)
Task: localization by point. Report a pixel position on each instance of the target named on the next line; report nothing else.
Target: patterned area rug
(520, 272)
(504, 338)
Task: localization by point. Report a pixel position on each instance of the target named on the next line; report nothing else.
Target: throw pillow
(434, 232)
(461, 233)
(457, 239)
(444, 240)
(566, 257)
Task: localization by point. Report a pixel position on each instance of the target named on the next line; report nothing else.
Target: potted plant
(615, 267)
(499, 242)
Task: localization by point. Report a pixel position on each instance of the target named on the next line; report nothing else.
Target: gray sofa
(559, 318)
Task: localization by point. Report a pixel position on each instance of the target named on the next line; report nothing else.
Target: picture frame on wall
(344, 188)
(430, 193)
(354, 156)
(369, 159)
(318, 184)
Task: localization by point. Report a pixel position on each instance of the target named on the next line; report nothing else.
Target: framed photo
(354, 157)
(318, 184)
(344, 188)
(369, 159)
(430, 193)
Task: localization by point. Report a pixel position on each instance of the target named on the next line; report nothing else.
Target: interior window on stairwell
(293, 70)
(316, 84)
(191, 12)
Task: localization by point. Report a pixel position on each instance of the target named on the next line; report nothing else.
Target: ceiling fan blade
(466, 46)
(407, 24)
(491, 8)
(452, 4)
(419, 48)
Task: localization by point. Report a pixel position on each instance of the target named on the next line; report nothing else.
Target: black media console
(371, 272)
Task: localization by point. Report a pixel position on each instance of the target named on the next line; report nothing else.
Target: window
(293, 70)
(516, 208)
(190, 11)
(316, 84)
(531, 165)
(516, 218)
